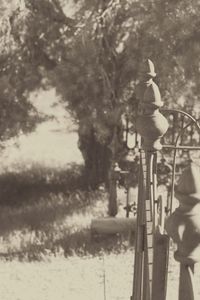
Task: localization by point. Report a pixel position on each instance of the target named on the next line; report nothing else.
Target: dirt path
(72, 278)
(76, 278)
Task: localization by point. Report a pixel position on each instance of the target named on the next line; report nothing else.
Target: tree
(99, 77)
(28, 43)
(16, 113)
(96, 59)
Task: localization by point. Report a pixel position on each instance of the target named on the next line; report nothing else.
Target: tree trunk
(97, 159)
(98, 167)
(112, 200)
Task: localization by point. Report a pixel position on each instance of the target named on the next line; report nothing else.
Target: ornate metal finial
(151, 124)
(183, 226)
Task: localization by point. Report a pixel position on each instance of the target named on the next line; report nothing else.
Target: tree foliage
(30, 37)
(96, 59)
(99, 77)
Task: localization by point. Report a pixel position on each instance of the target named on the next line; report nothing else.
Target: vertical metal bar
(143, 269)
(160, 246)
(146, 285)
(155, 196)
(147, 206)
(149, 223)
(139, 242)
(160, 266)
(173, 180)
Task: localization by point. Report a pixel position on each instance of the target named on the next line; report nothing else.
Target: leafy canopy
(96, 57)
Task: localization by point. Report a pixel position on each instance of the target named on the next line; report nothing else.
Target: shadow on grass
(84, 243)
(39, 196)
(80, 243)
(46, 212)
(20, 185)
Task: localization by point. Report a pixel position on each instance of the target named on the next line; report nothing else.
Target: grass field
(46, 247)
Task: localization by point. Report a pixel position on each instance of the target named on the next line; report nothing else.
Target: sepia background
(69, 73)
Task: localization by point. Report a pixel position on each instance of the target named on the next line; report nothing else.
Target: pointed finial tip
(151, 72)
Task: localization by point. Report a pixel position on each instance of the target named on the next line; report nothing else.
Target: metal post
(184, 228)
(151, 125)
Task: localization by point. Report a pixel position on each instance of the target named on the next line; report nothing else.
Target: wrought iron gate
(170, 140)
